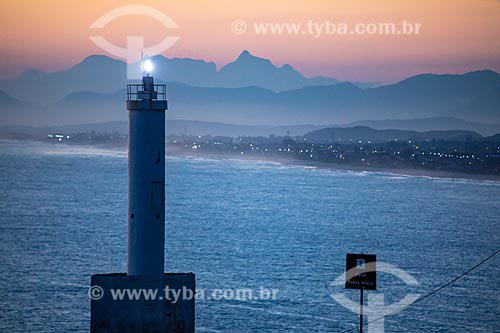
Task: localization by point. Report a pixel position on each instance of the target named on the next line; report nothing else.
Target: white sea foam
(83, 151)
(282, 313)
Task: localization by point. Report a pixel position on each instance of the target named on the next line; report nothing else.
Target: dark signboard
(361, 271)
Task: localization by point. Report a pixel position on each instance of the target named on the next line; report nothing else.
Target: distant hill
(428, 124)
(495, 138)
(249, 70)
(337, 104)
(88, 107)
(94, 73)
(363, 133)
(102, 74)
(485, 107)
(344, 102)
(251, 91)
(472, 96)
(13, 111)
(6, 99)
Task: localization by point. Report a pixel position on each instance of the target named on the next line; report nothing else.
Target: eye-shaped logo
(376, 310)
(135, 44)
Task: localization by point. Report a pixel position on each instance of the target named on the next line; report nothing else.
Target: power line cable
(432, 292)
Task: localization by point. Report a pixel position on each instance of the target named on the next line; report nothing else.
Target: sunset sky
(456, 36)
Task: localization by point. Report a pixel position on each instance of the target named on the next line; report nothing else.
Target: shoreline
(337, 167)
(411, 172)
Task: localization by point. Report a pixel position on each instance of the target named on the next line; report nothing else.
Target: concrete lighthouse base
(133, 304)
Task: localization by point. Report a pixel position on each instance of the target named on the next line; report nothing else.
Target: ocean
(247, 224)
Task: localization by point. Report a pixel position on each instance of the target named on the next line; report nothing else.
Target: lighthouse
(146, 104)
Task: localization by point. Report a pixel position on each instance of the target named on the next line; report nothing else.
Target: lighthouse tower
(146, 104)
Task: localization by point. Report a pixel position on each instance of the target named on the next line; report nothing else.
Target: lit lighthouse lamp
(147, 66)
(146, 104)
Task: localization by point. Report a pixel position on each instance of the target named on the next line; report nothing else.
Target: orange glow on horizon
(456, 35)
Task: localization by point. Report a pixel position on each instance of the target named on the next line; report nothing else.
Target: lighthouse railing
(134, 91)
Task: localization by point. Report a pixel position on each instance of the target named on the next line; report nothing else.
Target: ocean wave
(57, 149)
(282, 313)
(84, 151)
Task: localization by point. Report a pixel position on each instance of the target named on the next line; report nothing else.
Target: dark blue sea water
(237, 224)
